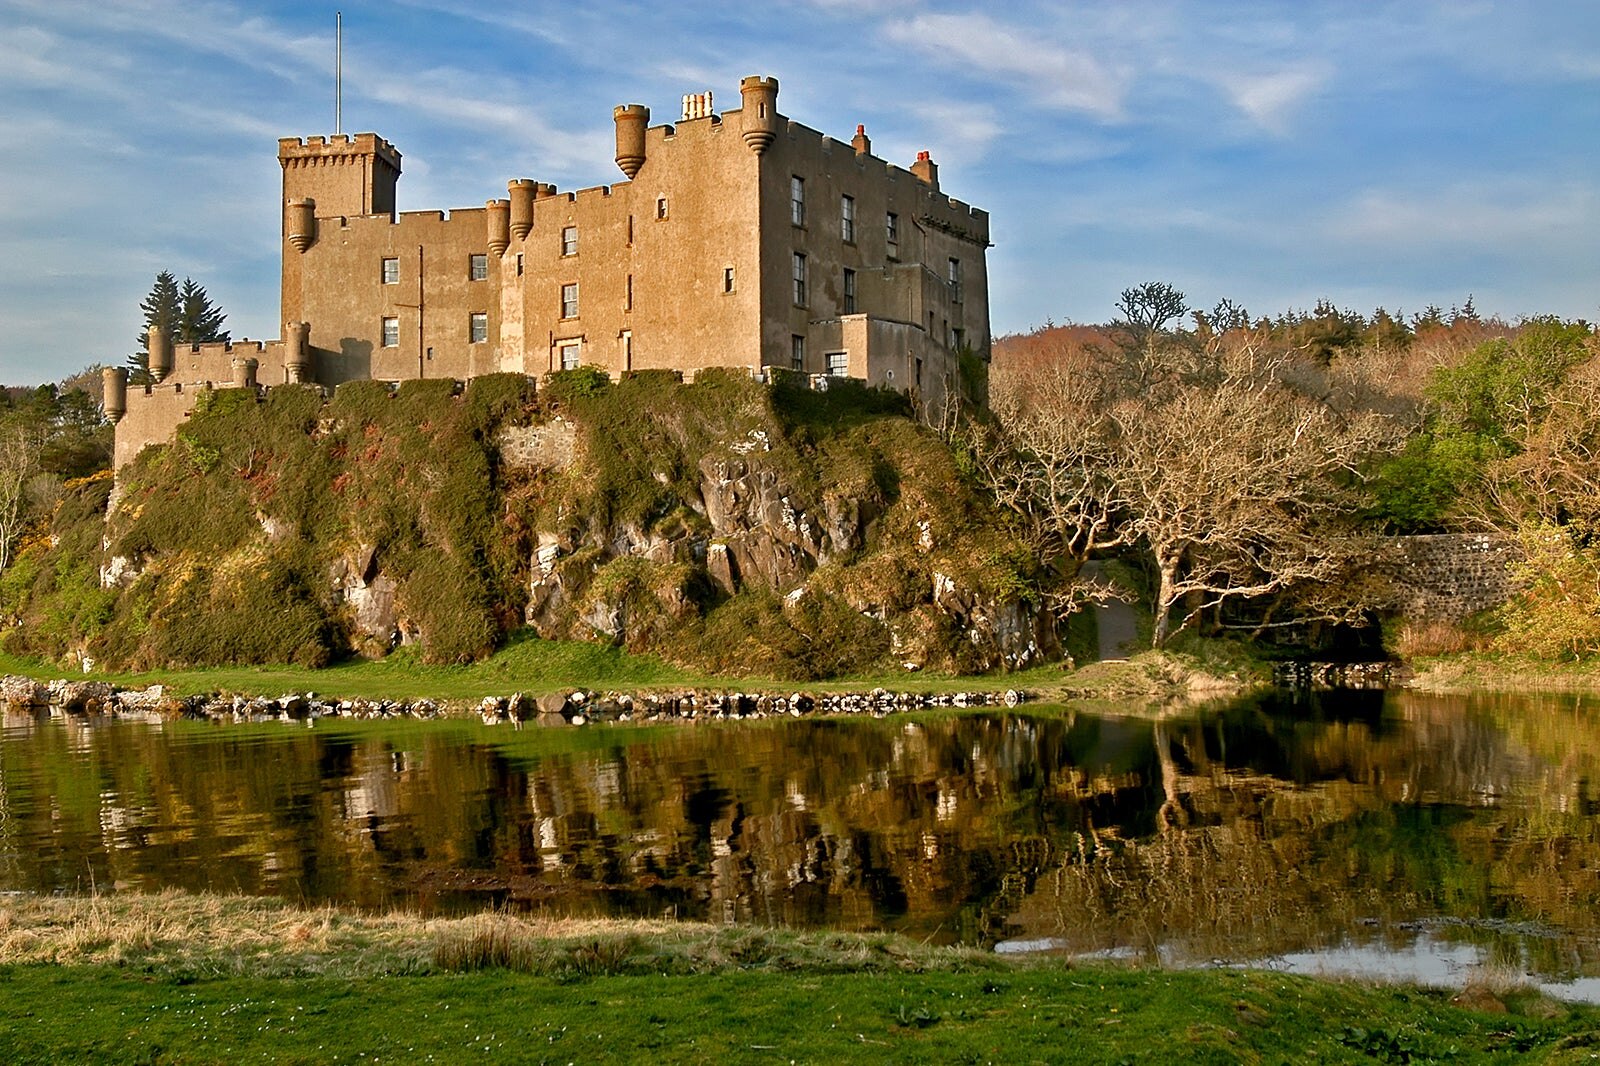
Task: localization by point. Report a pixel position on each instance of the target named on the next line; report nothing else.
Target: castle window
(569, 240)
(797, 200)
(627, 299)
(839, 364)
(391, 271)
(892, 226)
(799, 279)
(519, 264)
(391, 333)
(569, 300)
(727, 279)
(797, 352)
(955, 280)
(478, 268)
(849, 291)
(627, 349)
(661, 207)
(847, 219)
(571, 353)
(478, 327)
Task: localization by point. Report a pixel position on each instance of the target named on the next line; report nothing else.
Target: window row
(477, 329)
(477, 268)
(847, 216)
(802, 295)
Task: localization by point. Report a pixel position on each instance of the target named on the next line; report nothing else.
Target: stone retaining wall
(1449, 576)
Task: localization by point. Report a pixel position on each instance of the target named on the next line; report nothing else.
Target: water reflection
(1262, 828)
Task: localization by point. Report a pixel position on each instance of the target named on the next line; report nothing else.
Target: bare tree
(18, 462)
(1200, 450)
(1238, 491)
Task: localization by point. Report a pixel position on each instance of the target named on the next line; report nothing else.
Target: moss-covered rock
(728, 524)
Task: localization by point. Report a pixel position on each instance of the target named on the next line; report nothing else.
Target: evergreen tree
(185, 311)
(199, 320)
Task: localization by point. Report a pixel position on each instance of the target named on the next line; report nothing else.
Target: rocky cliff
(728, 524)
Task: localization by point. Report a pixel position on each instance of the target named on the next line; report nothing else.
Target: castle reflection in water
(1237, 831)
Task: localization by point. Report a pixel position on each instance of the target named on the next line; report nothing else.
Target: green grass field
(527, 664)
(178, 978)
(1057, 1015)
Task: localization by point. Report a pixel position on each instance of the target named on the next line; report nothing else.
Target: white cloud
(1269, 100)
(1057, 77)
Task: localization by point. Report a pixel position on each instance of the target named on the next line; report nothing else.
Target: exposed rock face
(370, 595)
(754, 529)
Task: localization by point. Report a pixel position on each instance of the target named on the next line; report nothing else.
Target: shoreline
(66, 697)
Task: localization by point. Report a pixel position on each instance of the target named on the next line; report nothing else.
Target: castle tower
(759, 116)
(345, 175)
(161, 358)
(297, 363)
(115, 379)
(329, 177)
(632, 121)
(497, 215)
(521, 191)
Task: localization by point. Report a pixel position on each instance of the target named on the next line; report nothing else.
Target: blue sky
(1274, 153)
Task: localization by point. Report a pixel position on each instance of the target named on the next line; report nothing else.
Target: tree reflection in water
(1250, 829)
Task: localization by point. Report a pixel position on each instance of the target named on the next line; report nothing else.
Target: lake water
(1305, 831)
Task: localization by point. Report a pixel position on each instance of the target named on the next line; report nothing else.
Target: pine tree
(184, 311)
(199, 320)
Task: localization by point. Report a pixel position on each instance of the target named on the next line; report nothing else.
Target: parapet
(340, 146)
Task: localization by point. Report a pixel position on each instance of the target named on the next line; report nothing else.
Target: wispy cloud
(961, 132)
(1499, 215)
(1270, 100)
(1054, 76)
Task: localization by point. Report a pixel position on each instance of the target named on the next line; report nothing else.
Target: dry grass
(215, 935)
(1418, 640)
(1473, 672)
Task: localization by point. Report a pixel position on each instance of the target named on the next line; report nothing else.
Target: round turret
(521, 191)
(244, 372)
(759, 116)
(160, 348)
(115, 380)
(498, 215)
(300, 223)
(297, 351)
(632, 122)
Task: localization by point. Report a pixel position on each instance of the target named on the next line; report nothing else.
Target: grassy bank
(181, 979)
(1483, 671)
(537, 666)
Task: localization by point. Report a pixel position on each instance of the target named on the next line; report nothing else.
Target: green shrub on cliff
(267, 530)
(234, 528)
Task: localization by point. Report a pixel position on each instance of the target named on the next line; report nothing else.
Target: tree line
(1251, 466)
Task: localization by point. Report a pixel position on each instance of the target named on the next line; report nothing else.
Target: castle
(739, 239)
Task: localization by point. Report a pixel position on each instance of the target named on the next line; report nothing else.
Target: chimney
(861, 142)
(926, 170)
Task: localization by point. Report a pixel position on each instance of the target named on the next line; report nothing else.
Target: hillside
(726, 524)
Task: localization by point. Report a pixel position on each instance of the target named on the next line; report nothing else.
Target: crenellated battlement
(336, 149)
